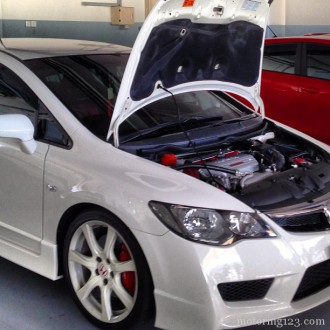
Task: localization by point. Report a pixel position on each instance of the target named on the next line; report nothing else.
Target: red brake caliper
(127, 278)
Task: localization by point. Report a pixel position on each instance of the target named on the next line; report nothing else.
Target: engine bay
(214, 138)
(265, 171)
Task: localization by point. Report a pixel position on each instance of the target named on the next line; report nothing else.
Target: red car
(296, 83)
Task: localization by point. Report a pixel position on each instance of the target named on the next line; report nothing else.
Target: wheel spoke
(89, 286)
(106, 303)
(122, 294)
(126, 266)
(100, 262)
(109, 247)
(91, 240)
(88, 262)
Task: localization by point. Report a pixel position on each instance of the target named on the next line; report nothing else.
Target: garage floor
(31, 302)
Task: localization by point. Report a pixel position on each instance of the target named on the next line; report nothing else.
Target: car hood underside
(190, 46)
(181, 51)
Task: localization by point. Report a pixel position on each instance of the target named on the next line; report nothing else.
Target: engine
(233, 170)
(242, 164)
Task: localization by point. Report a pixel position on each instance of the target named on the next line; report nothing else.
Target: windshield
(87, 85)
(192, 110)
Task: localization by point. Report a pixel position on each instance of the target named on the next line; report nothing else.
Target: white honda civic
(140, 178)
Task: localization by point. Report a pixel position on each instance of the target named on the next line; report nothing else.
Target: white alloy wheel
(102, 270)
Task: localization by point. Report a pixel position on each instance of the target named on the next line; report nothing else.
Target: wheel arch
(64, 227)
(65, 222)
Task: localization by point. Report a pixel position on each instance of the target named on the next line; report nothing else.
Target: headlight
(211, 226)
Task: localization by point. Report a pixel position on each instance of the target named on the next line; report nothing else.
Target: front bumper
(187, 276)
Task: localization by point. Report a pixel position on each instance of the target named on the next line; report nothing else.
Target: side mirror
(18, 127)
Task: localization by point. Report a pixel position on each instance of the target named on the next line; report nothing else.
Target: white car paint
(185, 273)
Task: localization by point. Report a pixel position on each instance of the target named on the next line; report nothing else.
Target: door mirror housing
(19, 127)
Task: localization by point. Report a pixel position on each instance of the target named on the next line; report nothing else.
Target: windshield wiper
(193, 121)
(235, 120)
(170, 127)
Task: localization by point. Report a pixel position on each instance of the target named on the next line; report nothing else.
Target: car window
(86, 85)
(17, 98)
(280, 58)
(318, 61)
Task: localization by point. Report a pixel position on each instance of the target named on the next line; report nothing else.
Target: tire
(107, 272)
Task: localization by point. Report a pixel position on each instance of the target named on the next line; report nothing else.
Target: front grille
(245, 290)
(316, 278)
(304, 222)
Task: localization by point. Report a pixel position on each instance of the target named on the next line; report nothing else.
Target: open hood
(189, 45)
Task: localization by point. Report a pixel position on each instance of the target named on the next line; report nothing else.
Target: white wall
(308, 12)
(277, 12)
(65, 10)
(300, 12)
(57, 18)
(283, 12)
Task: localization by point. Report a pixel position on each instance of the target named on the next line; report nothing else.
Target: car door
(280, 86)
(314, 92)
(21, 174)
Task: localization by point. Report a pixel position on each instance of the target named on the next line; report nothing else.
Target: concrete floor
(31, 302)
